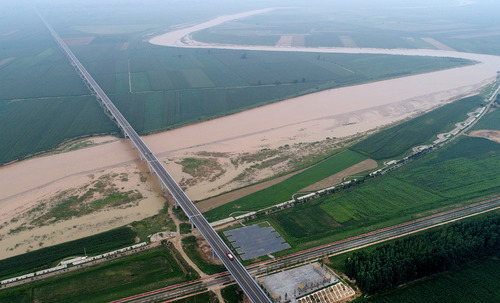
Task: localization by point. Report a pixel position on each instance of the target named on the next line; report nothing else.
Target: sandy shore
(335, 113)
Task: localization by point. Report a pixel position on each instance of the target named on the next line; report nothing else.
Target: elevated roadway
(240, 274)
(329, 249)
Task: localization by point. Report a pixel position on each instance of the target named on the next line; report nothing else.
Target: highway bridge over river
(240, 274)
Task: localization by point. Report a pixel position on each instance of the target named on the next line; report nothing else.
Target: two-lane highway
(240, 274)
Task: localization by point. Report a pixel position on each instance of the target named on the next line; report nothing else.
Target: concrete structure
(287, 285)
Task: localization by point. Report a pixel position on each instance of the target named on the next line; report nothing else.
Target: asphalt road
(317, 252)
(240, 274)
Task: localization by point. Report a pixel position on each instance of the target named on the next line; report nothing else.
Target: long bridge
(233, 265)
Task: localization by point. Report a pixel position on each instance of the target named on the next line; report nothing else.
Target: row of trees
(420, 255)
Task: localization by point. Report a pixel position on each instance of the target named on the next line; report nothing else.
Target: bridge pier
(151, 170)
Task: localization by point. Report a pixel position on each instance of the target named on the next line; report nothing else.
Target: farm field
(464, 171)
(51, 121)
(490, 121)
(283, 191)
(172, 86)
(168, 87)
(313, 27)
(397, 140)
(310, 28)
(50, 256)
(137, 273)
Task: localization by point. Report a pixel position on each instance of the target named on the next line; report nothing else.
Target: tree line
(420, 255)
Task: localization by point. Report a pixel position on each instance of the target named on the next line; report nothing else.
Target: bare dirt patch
(339, 177)
(490, 134)
(206, 251)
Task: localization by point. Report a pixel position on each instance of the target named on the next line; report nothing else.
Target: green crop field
(383, 199)
(283, 191)
(466, 170)
(306, 222)
(170, 86)
(124, 277)
(37, 125)
(489, 121)
(50, 256)
(184, 85)
(401, 138)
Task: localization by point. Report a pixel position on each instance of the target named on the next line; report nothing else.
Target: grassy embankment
(403, 137)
